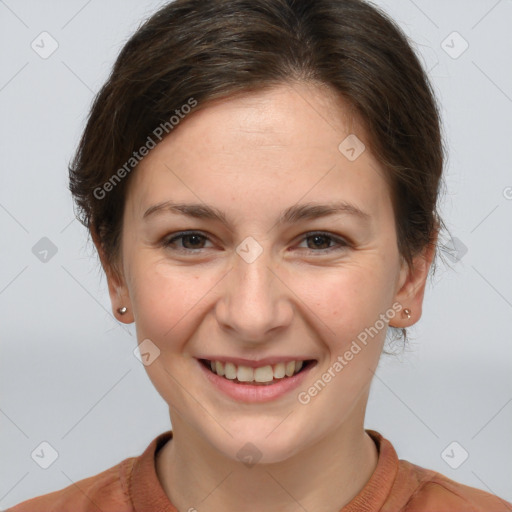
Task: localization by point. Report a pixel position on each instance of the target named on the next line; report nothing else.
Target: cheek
(167, 300)
(346, 299)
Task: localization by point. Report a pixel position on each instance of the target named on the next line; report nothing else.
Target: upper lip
(252, 363)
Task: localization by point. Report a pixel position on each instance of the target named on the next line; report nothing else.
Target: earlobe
(123, 314)
(413, 280)
(119, 296)
(120, 299)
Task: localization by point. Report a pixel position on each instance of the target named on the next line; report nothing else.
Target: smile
(262, 375)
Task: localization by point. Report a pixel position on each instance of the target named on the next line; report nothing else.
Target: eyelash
(342, 244)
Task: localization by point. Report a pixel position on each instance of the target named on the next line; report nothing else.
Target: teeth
(262, 374)
(279, 371)
(229, 370)
(290, 368)
(219, 370)
(245, 374)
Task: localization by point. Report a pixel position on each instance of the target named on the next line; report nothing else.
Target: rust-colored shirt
(395, 486)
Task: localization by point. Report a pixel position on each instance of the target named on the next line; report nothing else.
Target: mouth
(257, 376)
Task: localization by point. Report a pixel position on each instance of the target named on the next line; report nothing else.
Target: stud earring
(122, 310)
(406, 313)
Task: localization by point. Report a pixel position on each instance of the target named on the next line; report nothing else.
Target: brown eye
(319, 242)
(190, 241)
(324, 242)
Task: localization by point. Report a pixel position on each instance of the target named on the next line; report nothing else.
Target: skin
(253, 156)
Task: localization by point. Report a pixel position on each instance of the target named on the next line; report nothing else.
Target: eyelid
(167, 241)
(340, 242)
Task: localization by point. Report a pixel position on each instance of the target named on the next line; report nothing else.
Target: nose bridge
(253, 301)
(254, 280)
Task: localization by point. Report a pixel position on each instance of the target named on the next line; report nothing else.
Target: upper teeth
(261, 374)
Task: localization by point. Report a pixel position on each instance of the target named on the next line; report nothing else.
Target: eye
(190, 241)
(193, 241)
(321, 242)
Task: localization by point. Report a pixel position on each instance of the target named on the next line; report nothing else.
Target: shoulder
(429, 490)
(107, 491)
(399, 485)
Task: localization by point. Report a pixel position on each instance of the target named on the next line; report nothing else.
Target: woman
(261, 182)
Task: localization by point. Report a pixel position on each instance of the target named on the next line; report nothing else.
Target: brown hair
(207, 50)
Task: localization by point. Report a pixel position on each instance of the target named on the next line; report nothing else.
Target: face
(259, 274)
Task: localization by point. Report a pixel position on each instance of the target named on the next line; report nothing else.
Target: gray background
(68, 375)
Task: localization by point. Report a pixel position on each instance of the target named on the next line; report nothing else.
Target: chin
(261, 443)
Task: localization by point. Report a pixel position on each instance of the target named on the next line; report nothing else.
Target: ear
(411, 285)
(117, 289)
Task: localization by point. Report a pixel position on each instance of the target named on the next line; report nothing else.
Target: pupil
(196, 237)
(316, 238)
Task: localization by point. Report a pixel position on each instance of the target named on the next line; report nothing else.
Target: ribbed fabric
(395, 486)
(146, 492)
(374, 494)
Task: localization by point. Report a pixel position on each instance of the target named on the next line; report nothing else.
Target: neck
(323, 477)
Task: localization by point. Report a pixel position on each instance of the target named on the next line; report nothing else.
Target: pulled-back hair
(194, 51)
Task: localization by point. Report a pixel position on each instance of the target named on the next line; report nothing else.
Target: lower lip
(256, 393)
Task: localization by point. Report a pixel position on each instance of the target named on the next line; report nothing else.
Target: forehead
(282, 144)
(283, 116)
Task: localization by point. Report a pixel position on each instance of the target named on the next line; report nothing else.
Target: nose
(255, 303)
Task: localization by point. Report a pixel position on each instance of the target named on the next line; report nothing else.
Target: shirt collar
(147, 494)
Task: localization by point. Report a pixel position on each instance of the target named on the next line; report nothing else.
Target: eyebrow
(291, 215)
